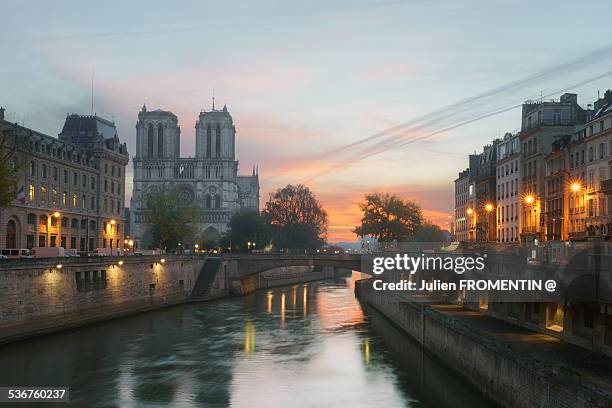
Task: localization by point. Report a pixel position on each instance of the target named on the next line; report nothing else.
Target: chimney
(1, 113)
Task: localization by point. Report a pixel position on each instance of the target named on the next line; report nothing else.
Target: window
(55, 173)
(74, 200)
(64, 198)
(42, 220)
(31, 219)
(43, 194)
(84, 180)
(208, 141)
(149, 143)
(32, 169)
(31, 192)
(160, 140)
(218, 142)
(54, 197)
(93, 183)
(65, 176)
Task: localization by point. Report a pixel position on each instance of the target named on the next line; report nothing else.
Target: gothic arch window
(217, 201)
(11, 235)
(150, 141)
(208, 141)
(208, 204)
(218, 142)
(160, 140)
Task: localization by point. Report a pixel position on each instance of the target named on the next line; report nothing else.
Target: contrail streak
(455, 109)
(400, 141)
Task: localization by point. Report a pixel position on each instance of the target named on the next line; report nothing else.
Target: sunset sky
(305, 80)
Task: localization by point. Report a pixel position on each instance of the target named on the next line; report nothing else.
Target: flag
(21, 194)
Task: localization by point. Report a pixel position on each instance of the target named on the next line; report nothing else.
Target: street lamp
(575, 187)
(489, 207)
(529, 199)
(470, 211)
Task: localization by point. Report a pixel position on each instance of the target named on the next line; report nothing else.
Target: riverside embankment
(512, 366)
(44, 296)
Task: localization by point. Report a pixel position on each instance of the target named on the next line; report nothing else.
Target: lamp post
(489, 209)
(530, 201)
(55, 215)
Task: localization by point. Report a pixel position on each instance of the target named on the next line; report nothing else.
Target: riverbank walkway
(549, 350)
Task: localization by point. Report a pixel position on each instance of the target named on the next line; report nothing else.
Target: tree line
(292, 218)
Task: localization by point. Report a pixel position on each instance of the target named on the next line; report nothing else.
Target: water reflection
(301, 346)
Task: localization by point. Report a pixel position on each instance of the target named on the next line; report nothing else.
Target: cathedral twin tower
(209, 179)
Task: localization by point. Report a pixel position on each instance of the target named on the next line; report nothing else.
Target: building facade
(210, 179)
(543, 122)
(598, 140)
(483, 199)
(462, 188)
(70, 189)
(508, 188)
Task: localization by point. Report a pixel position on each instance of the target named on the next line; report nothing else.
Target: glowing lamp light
(120, 263)
(575, 187)
(113, 222)
(529, 199)
(56, 214)
(163, 260)
(59, 266)
(470, 211)
(489, 207)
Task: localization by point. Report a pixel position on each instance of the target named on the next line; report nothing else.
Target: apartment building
(462, 189)
(70, 190)
(508, 188)
(543, 122)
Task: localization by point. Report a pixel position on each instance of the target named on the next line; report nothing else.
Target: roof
(247, 184)
(89, 125)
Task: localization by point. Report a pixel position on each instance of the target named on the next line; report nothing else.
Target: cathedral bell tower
(157, 135)
(215, 135)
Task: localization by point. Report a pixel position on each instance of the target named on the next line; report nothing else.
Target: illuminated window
(64, 198)
(43, 194)
(54, 197)
(31, 192)
(74, 200)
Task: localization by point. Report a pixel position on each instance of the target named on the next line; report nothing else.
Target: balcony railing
(211, 215)
(606, 185)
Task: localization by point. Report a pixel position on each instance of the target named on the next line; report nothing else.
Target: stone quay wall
(491, 367)
(37, 296)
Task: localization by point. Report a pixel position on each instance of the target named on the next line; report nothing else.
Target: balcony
(606, 185)
(216, 215)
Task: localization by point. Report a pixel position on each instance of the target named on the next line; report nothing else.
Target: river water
(308, 345)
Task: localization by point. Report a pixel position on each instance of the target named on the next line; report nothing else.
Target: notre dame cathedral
(210, 178)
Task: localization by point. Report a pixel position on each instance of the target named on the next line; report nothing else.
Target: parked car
(48, 252)
(107, 252)
(16, 253)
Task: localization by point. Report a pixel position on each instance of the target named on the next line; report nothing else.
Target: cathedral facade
(210, 179)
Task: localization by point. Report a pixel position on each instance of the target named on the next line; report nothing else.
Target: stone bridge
(242, 265)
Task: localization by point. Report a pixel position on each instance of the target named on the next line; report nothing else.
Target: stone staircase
(203, 289)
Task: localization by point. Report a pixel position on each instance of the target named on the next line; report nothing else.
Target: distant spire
(144, 107)
(213, 99)
(257, 171)
(253, 170)
(224, 108)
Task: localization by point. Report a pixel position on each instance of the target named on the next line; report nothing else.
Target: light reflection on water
(307, 345)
